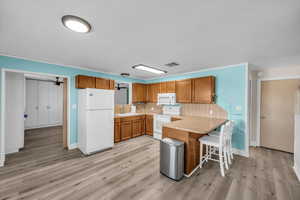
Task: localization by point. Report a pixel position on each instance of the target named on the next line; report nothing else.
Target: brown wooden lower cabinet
(117, 132)
(143, 125)
(126, 130)
(129, 127)
(149, 125)
(136, 128)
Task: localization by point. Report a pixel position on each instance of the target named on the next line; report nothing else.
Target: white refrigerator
(95, 120)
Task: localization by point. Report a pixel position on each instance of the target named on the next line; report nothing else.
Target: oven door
(159, 121)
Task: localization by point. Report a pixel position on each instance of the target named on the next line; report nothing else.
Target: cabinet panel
(149, 93)
(139, 92)
(126, 130)
(102, 83)
(156, 90)
(184, 91)
(167, 87)
(136, 128)
(170, 87)
(111, 84)
(83, 82)
(117, 132)
(203, 90)
(163, 87)
(149, 125)
(143, 126)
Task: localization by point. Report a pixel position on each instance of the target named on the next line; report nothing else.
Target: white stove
(161, 119)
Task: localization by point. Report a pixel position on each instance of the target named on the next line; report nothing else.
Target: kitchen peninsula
(189, 129)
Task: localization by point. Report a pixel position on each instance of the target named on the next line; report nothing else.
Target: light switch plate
(238, 108)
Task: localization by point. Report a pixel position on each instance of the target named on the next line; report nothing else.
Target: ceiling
(198, 34)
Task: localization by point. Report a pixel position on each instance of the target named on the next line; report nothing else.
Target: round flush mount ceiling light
(76, 24)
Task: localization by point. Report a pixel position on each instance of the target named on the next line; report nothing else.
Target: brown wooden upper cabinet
(167, 87)
(152, 92)
(111, 84)
(83, 82)
(203, 90)
(139, 93)
(102, 83)
(183, 91)
(156, 90)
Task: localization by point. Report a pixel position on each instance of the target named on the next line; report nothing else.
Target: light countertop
(131, 114)
(200, 125)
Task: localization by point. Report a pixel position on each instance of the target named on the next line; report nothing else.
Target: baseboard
(73, 146)
(253, 144)
(45, 126)
(297, 171)
(240, 152)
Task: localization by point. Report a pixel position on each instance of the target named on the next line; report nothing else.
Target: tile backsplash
(122, 108)
(202, 110)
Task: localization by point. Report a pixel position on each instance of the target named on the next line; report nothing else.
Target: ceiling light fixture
(149, 69)
(125, 74)
(76, 24)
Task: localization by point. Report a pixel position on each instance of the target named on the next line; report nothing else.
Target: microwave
(166, 99)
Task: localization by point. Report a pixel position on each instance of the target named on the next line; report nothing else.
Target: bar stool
(213, 143)
(229, 152)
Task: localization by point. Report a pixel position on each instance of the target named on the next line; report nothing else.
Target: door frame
(258, 102)
(2, 117)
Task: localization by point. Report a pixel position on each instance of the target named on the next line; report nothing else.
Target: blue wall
(231, 93)
(32, 66)
(230, 89)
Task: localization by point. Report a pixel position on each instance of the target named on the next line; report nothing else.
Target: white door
(43, 98)
(31, 103)
(53, 104)
(60, 107)
(99, 130)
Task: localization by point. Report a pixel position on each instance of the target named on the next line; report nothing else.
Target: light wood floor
(131, 171)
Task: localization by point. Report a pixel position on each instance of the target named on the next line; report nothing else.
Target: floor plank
(43, 170)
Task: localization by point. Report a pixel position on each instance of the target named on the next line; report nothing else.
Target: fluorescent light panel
(149, 69)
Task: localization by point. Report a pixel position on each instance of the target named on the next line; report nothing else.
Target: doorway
(277, 109)
(36, 110)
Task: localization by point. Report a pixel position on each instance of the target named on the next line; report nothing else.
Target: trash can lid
(172, 142)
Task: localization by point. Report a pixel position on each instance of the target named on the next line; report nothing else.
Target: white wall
(278, 72)
(14, 112)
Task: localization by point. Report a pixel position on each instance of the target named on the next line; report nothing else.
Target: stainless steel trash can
(172, 158)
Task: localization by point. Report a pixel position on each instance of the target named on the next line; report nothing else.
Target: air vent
(172, 64)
